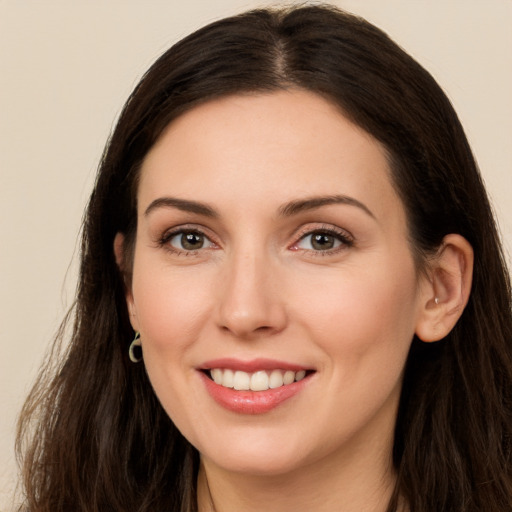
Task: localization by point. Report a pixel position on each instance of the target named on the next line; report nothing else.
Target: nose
(251, 303)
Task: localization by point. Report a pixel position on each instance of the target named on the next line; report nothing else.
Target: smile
(253, 387)
(261, 380)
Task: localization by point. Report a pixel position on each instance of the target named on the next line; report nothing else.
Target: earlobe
(119, 253)
(447, 292)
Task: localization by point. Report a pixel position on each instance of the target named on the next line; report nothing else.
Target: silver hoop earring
(135, 344)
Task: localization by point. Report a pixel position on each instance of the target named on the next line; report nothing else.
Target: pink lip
(251, 402)
(251, 366)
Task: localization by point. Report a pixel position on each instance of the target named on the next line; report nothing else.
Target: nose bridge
(251, 301)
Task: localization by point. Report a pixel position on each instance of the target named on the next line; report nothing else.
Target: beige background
(66, 67)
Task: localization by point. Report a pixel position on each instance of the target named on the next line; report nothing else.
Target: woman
(290, 226)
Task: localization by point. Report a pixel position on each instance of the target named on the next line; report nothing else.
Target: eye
(323, 240)
(319, 241)
(189, 241)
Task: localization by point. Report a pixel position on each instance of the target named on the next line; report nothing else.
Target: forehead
(268, 148)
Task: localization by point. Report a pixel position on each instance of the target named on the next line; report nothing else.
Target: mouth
(260, 380)
(253, 387)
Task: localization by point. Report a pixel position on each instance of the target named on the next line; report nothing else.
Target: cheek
(171, 309)
(364, 324)
(364, 316)
(169, 306)
(171, 313)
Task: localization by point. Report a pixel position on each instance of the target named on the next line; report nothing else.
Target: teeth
(242, 381)
(228, 378)
(276, 379)
(300, 375)
(289, 377)
(216, 374)
(257, 381)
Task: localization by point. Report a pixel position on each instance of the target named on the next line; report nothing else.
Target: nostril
(264, 328)
(248, 332)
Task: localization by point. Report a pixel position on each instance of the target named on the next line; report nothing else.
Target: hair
(92, 435)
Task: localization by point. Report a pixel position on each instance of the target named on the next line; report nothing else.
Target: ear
(446, 291)
(119, 252)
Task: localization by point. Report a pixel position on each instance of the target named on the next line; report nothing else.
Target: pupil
(191, 241)
(322, 241)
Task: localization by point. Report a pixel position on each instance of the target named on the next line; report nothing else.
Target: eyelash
(164, 241)
(344, 238)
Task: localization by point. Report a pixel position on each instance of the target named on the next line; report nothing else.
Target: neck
(359, 484)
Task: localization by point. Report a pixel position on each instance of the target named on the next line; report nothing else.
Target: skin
(259, 288)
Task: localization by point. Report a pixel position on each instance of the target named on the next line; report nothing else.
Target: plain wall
(66, 68)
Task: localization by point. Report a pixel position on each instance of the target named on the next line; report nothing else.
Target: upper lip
(252, 365)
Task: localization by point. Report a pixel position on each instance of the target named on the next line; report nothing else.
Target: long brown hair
(93, 436)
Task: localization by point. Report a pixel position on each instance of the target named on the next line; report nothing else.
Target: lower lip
(251, 402)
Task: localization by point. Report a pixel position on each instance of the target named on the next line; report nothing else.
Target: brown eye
(322, 241)
(189, 241)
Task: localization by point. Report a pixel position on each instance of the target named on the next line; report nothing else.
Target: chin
(260, 466)
(264, 456)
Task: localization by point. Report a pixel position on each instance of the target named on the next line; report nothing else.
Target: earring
(133, 345)
(436, 300)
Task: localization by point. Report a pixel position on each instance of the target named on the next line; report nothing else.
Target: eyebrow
(182, 204)
(301, 205)
(286, 210)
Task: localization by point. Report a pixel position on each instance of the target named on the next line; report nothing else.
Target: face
(273, 283)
